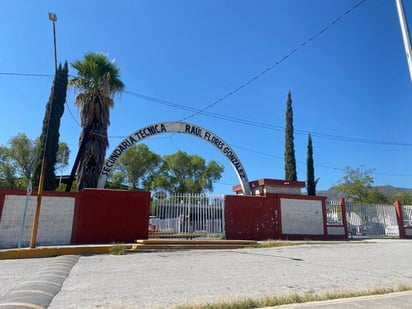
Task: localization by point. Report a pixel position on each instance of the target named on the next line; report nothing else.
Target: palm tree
(97, 82)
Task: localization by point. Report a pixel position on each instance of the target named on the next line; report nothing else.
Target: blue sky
(350, 82)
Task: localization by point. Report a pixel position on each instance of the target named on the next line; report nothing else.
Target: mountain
(333, 194)
(388, 189)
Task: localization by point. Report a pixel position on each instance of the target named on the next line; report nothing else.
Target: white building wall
(55, 222)
(282, 190)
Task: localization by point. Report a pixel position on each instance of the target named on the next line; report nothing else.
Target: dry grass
(248, 303)
(275, 243)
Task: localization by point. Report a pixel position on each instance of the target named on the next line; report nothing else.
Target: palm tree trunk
(92, 159)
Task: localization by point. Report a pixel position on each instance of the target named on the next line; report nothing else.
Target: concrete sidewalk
(399, 300)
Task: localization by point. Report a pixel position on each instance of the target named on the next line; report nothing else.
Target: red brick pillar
(344, 219)
(399, 217)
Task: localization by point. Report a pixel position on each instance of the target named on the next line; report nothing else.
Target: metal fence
(187, 216)
(333, 213)
(366, 219)
(372, 220)
(407, 215)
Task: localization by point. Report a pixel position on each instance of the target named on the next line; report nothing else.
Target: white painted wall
(301, 217)
(55, 222)
(336, 230)
(283, 190)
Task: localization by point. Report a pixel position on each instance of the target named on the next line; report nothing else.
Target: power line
(281, 158)
(71, 114)
(27, 74)
(278, 128)
(317, 165)
(240, 121)
(40, 75)
(393, 175)
(248, 122)
(265, 125)
(256, 77)
(230, 118)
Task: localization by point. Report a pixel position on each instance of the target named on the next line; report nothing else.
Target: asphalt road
(168, 279)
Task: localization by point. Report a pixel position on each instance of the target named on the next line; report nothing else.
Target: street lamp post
(53, 18)
(405, 35)
(33, 238)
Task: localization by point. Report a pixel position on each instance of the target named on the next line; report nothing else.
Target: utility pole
(62, 167)
(33, 238)
(53, 18)
(405, 34)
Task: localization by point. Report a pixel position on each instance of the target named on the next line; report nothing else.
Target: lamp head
(52, 17)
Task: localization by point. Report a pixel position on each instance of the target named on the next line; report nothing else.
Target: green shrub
(118, 249)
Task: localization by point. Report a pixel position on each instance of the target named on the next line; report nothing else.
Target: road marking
(33, 291)
(28, 305)
(49, 274)
(42, 281)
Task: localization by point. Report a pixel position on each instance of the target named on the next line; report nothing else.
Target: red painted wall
(251, 217)
(107, 216)
(400, 217)
(259, 217)
(2, 196)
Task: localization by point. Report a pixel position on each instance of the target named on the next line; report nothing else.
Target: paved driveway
(167, 279)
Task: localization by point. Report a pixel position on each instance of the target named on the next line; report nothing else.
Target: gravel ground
(167, 279)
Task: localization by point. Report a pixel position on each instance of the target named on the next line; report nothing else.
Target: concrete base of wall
(139, 246)
(28, 253)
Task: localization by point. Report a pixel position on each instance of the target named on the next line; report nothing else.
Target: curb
(139, 246)
(40, 252)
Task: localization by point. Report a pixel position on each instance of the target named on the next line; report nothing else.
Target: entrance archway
(176, 127)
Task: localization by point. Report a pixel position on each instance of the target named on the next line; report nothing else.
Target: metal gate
(372, 220)
(187, 216)
(365, 219)
(407, 215)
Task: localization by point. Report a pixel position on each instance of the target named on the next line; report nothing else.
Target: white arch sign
(176, 127)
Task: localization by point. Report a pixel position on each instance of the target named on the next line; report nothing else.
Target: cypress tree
(55, 104)
(310, 169)
(290, 161)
